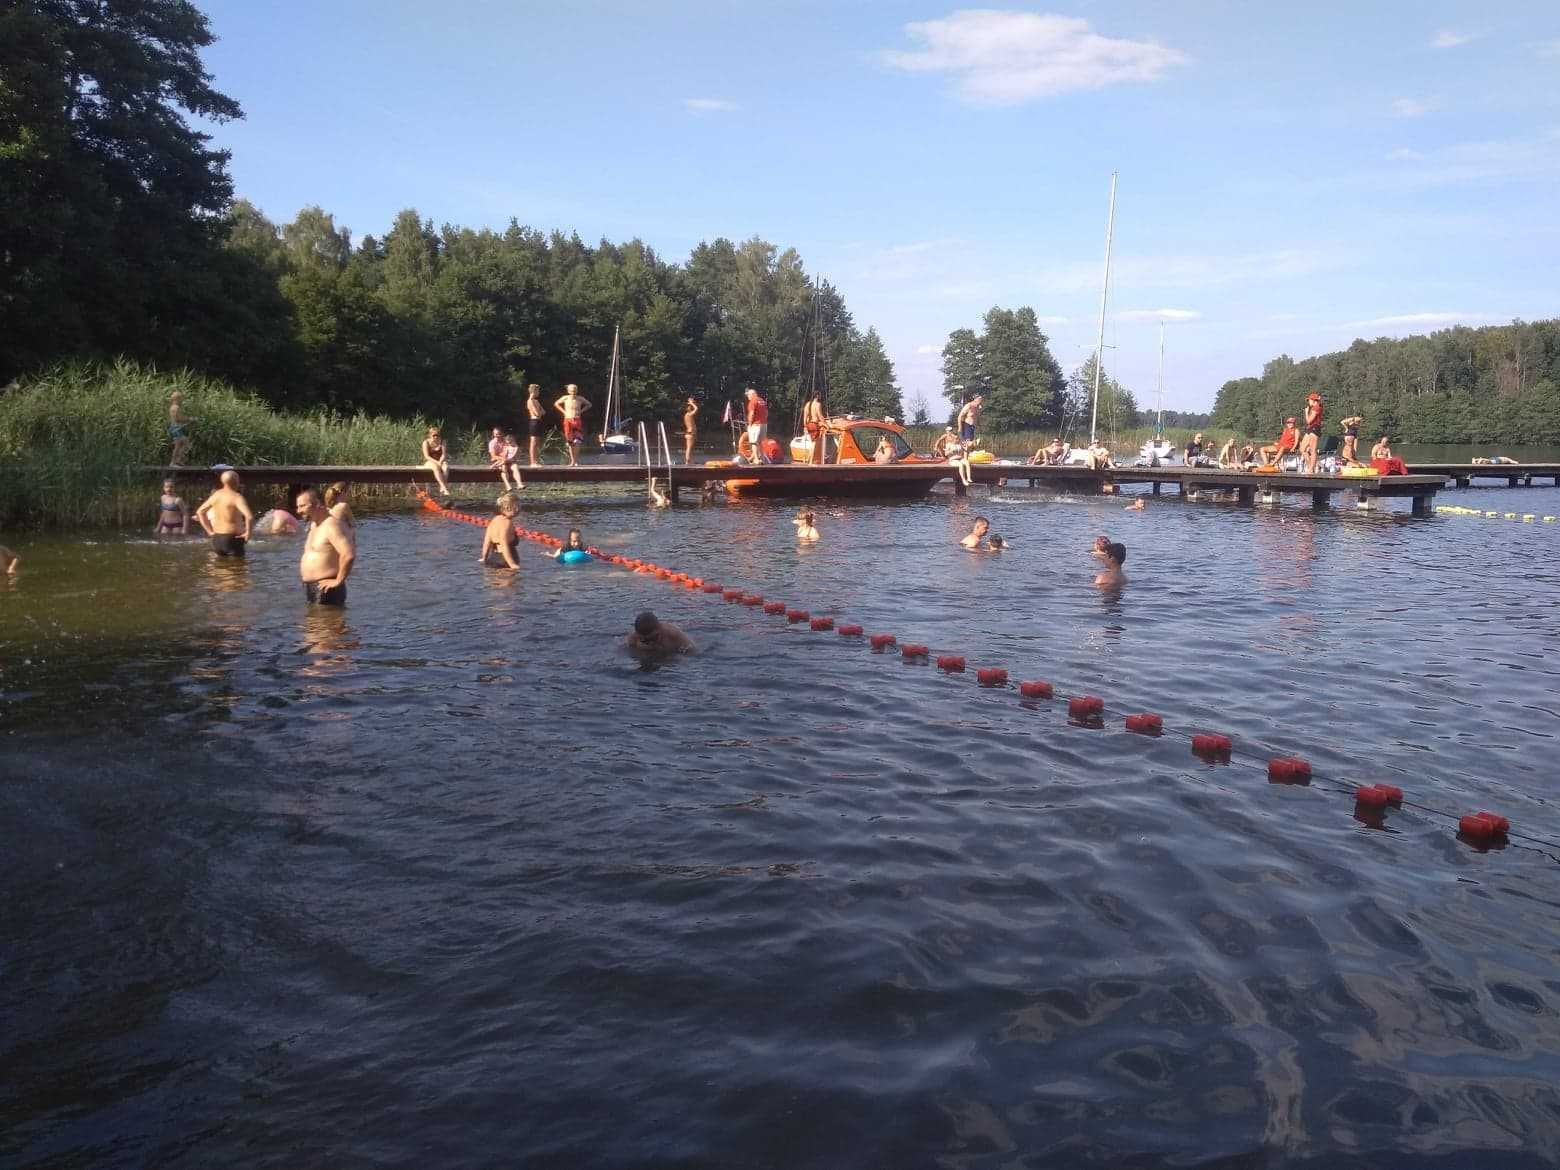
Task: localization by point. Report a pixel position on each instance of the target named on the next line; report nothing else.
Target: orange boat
(848, 441)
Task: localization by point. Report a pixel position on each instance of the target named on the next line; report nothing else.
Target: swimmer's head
(308, 500)
(646, 624)
(575, 540)
(1102, 542)
(997, 541)
(507, 504)
(982, 525)
(1117, 552)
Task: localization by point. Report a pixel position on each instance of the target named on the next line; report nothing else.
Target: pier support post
(1421, 506)
(958, 486)
(1511, 481)
(1463, 481)
(1157, 486)
(1246, 495)
(1319, 500)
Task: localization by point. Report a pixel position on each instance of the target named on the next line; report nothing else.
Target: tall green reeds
(73, 441)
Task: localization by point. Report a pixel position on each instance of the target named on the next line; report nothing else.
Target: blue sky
(1291, 177)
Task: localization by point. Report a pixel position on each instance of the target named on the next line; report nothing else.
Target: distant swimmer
(806, 529)
(328, 552)
(435, 459)
(572, 549)
(573, 407)
(336, 501)
(535, 419)
(969, 417)
(977, 534)
(177, 421)
(277, 522)
(500, 540)
(690, 428)
(1136, 506)
(653, 638)
(998, 544)
(658, 496)
(172, 514)
(1114, 555)
(8, 561)
(226, 517)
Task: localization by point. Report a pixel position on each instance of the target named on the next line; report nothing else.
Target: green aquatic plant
(76, 441)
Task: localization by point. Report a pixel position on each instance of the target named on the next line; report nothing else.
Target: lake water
(445, 880)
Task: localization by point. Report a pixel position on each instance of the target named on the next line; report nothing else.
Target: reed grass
(74, 441)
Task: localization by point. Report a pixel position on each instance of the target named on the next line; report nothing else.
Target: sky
(1290, 176)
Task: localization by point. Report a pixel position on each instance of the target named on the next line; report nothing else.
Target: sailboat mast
(1099, 347)
(1159, 425)
(606, 411)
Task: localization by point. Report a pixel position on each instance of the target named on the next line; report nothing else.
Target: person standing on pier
(328, 552)
(812, 423)
(1313, 432)
(535, 413)
(690, 429)
(757, 423)
(1350, 455)
(969, 416)
(226, 517)
(573, 407)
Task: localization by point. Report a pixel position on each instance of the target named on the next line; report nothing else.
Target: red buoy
(882, 641)
(1214, 746)
(753, 599)
(1288, 770)
(991, 676)
(1086, 707)
(797, 615)
(1035, 689)
(732, 594)
(1145, 723)
(849, 631)
(690, 583)
(774, 607)
(1483, 828)
(950, 662)
(710, 587)
(913, 650)
(823, 623)
(1370, 796)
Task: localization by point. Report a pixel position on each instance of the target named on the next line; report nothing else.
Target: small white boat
(618, 443)
(1156, 451)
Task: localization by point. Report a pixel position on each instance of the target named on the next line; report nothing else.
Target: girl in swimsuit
(574, 542)
(434, 460)
(172, 515)
(501, 537)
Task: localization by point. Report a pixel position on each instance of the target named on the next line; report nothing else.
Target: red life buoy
(849, 631)
(1035, 689)
(1288, 770)
(882, 641)
(797, 615)
(1145, 723)
(1085, 707)
(1216, 746)
(913, 650)
(774, 607)
(991, 676)
(823, 623)
(950, 662)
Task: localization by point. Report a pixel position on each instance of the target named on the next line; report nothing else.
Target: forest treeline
(1497, 384)
(119, 236)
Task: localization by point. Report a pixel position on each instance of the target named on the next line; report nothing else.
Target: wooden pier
(874, 480)
(1515, 474)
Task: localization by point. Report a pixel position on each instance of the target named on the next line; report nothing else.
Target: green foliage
(72, 440)
(1498, 385)
(1118, 409)
(1010, 364)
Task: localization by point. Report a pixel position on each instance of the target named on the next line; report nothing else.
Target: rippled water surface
(446, 880)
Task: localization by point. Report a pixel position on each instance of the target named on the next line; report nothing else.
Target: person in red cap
(1313, 432)
(1287, 442)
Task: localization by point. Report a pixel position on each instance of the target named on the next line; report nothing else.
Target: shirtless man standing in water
(328, 552)
(226, 517)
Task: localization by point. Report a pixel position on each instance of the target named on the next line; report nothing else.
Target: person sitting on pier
(1382, 449)
(653, 638)
(1097, 457)
(172, 513)
(1192, 453)
(573, 407)
(977, 534)
(959, 459)
(1114, 555)
(1288, 440)
(1228, 456)
(945, 442)
(509, 462)
(501, 537)
(433, 453)
(495, 447)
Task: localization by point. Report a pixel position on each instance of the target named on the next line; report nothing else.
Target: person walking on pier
(226, 517)
(573, 407)
(757, 423)
(433, 453)
(1313, 432)
(535, 413)
(690, 430)
(328, 552)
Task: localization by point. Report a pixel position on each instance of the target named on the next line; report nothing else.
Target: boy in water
(1114, 555)
(653, 638)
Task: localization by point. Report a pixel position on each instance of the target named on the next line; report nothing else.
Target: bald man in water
(226, 517)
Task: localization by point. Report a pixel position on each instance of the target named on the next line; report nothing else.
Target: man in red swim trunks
(1287, 442)
(573, 408)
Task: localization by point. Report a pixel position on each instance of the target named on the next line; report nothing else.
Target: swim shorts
(534, 428)
(573, 430)
(319, 596)
(966, 431)
(225, 544)
(175, 431)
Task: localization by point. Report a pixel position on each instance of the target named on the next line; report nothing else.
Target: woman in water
(658, 498)
(336, 501)
(172, 515)
(690, 430)
(434, 459)
(574, 542)
(535, 412)
(806, 529)
(501, 537)
(176, 423)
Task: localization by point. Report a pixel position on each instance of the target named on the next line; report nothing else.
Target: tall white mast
(1159, 424)
(606, 412)
(1099, 348)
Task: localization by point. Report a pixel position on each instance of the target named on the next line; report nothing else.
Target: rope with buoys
(1482, 830)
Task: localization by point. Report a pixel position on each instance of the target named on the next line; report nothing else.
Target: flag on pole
(726, 418)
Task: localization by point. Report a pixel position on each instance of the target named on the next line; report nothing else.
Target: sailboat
(613, 439)
(1158, 449)
(1079, 455)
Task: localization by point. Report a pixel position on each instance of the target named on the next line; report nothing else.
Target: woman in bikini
(535, 412)
(172, 515)
(501, 539)
(434, 460)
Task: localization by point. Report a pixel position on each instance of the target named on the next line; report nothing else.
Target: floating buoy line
(1458, 510)
(1481, 830)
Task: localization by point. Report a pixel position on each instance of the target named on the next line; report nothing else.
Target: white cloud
(1411, 107)
(709, 105)
(1450, 38)
(1404, 154)
(1159, 315)
(925, 350)
(1006, 58)
(1421, 320)
(1482, 161)
(1547, 48)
